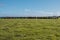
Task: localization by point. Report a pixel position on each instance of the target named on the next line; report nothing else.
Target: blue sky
(29, 7)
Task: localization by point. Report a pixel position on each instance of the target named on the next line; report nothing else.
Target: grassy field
(29, 29)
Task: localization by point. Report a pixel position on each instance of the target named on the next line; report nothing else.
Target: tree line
(51, 17)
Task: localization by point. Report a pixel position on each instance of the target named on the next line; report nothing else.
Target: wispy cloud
(30, 12)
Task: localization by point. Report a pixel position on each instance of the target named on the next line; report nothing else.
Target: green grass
(29, 29)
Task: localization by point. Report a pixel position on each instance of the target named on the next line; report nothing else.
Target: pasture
(29, 29)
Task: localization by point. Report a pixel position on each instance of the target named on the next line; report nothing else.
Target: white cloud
(58, 13)
(30, 12)
(27, 10)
